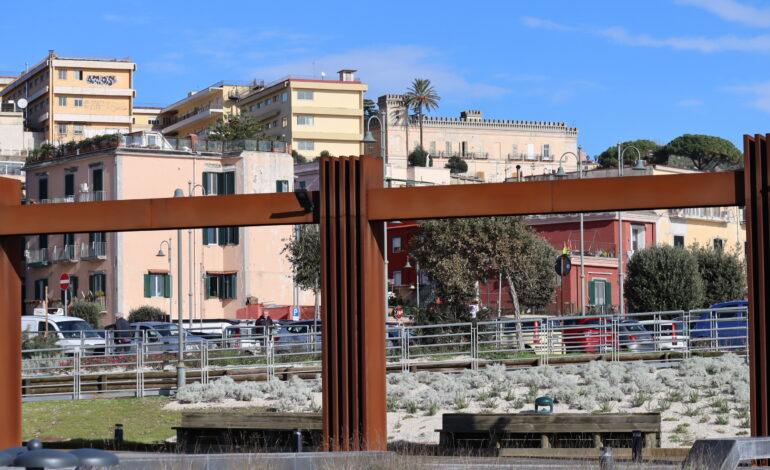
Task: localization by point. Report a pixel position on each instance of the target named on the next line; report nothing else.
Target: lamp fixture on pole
(561, 173)
(639, 166)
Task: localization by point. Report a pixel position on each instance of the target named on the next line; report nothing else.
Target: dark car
(164, 337)
(633, 336)
(725, 326)
(299, 336)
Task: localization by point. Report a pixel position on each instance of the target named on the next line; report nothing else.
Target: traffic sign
(563, 265)
(295, 313)
(64, 281)
(399, 312)
(474, 310)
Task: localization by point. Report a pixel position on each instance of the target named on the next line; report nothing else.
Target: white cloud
(689, 103)
(545, 24)
(720, 44)
(759, 91)
(389, 69)
(731, 10)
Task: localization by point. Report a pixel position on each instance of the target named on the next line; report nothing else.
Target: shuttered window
(157, 285)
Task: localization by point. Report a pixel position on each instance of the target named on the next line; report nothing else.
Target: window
(77, 102)
(305, 95)
(251, 108)
(267, 102)
(637, 237)
(157, 285)
(284, 122)
(679, 241)
(433, 147)
(221, 286)
(306, 145)
(547, 152)
(97, 180)
(69, 184)
(275, 123)
(42, 189)
(530, 151)
(72, 290)
(600, 292)
(62, 129)
(282, 186)
(69, 239)
(62, 101)
(275, 99)
(284, 96)
(78, 75)
(78, 129)
(719, 244)
(40, 286)
(396, 242)
(302, 185)
(260, 105)
(218, 183)
(397, 281)
(42, 241)
(515, 151)
(449, 149)
(305, 120)
(62, 74)
(220, 236)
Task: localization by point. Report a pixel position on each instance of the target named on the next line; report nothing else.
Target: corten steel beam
(155, 214)
(558, 196)
(757, 168)
(10, 325)
(352, 295)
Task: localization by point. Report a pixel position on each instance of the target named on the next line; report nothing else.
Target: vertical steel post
(11, 249)
(352, 267)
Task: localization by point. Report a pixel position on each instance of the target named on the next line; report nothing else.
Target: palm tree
(421, 96)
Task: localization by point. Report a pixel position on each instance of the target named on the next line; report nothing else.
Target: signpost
(399, 313)
(295, 314)
(64, 284)
(563, 267)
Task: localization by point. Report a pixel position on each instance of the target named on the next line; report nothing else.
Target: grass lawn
(144, 421)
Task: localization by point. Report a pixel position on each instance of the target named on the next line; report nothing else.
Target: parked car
(668, 334)
(162, 337)
(592, 335)
(725, 325)
(74, 334)
(540, 333)
(299, 336)
(209, 328)
(632, 336)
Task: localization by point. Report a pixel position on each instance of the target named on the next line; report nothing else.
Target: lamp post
(368, 139)
(161, 255)
(561, 173)
(417, 278)
(639, 165)
(191, 239)
(180, 368)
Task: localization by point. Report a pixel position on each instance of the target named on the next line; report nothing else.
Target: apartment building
(494, 149)
(70, 98)
(146, 118)
(312, 115)
(200, 110)
(222, 267)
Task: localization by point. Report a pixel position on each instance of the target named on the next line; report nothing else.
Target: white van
(75, 334)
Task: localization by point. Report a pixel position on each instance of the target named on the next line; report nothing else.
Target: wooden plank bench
(558, 430)
(228, 431)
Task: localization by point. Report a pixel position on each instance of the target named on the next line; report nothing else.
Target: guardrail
(142, 362)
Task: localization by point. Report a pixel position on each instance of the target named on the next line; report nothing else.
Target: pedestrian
(264, 324)
(122, 333)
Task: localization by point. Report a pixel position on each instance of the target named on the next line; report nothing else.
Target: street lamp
(561, 173)
(191, 239)
(161, 254)
(368, 139)
(638, 166)
(417, 277)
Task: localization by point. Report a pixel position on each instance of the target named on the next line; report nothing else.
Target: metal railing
(139, 363)
(39, 256)
(64, 254)
(93, 250)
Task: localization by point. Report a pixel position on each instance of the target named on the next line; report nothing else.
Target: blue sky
(618, 70)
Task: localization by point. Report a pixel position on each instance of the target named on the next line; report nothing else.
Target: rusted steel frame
(558, 196)
(11, 249)
(757, 168)
(155, 214)
(352, 294)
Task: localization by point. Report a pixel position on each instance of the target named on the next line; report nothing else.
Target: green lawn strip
(144, 421)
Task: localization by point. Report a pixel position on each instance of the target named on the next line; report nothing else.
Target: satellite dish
(323, 75)
(22, 103)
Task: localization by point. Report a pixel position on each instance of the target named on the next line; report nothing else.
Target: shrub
(418, 157)
(663, 278)
(146, 313)
(34, 340)
(723, 273)
(88, 311)
(456, 165)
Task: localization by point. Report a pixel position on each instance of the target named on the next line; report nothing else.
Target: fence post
(205, 363)
(140, 370)
(76, 375)
(404, 349)
(269, 356)
(474, 345)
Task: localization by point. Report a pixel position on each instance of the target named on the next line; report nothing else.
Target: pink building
(222, 267)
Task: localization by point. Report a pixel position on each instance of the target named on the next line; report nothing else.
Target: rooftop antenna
(323, 75)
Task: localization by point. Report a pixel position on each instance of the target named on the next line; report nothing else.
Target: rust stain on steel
(155, 214)
(558, 196)
(353, 297)
(757, 168)
(11, 249)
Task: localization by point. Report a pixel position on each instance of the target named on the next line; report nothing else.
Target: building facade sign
(108, 80)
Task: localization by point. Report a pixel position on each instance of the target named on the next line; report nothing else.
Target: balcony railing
(65, 254)
(37, 257)
(467, 155)
(719, 214)
(92, 196)
(93, 251)
(57, 200)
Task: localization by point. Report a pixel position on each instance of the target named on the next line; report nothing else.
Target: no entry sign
(64, 281)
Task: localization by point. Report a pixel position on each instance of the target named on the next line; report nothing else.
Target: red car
(588, 335)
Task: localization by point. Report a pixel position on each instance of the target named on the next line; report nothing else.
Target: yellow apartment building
(146, 118)
(311, 115)
(75, 98)
(200, 110)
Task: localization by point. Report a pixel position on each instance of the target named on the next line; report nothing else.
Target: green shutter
(205, 236)
(235, 231)
(592, 293)
(233, 287)
(167, 286)
(146, 284)
(222, 235)
(206, 183)
(229, 182)
(278, 186)
(607, 292)
(221, 183)
(208, 286)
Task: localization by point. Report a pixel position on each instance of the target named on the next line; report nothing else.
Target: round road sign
(64, 281)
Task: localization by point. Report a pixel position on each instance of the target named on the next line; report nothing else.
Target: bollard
(637, 443)
(298, 440)
(118, 434)
(606, 461)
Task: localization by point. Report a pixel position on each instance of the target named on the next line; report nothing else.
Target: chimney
(470, 115)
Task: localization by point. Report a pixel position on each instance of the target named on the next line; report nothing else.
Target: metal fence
(143, 362)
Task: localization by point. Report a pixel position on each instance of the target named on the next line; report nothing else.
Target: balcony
(65, 254)
(57, 200)
(199, 113)
(716, 214)
(92, 196)
(93, 251)
(37, 258)
(467, 155)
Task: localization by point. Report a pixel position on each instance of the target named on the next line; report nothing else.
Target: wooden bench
(229, 431)
(558, 430)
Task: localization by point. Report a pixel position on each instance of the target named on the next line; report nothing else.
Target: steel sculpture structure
(350, 207)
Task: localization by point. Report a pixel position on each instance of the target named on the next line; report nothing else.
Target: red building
(600, 254)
